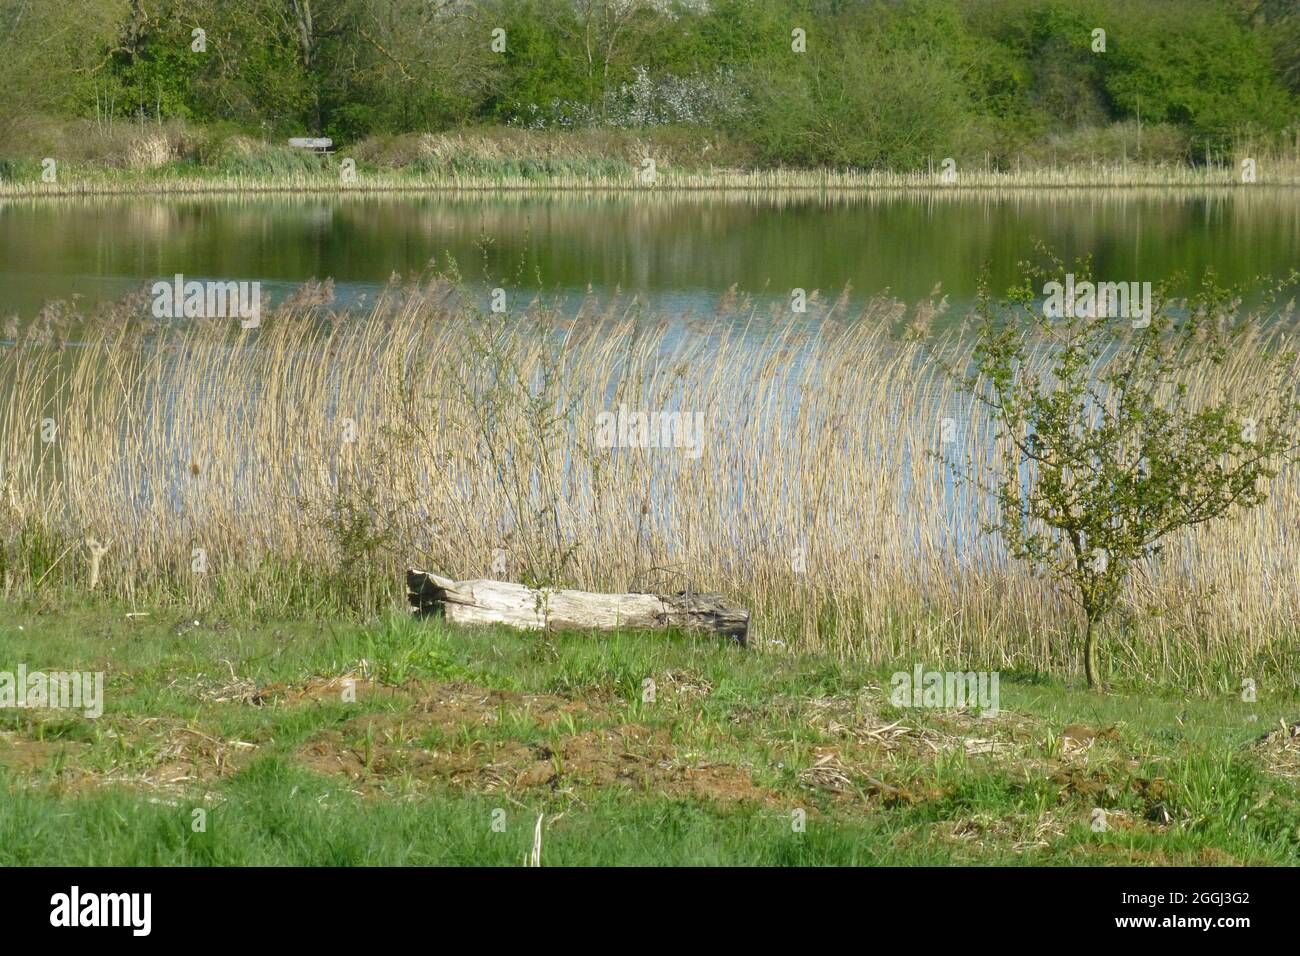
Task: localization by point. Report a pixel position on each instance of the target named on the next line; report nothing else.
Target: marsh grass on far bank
(617, 176)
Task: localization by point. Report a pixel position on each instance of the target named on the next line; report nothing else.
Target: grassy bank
(176, 160)
(451, 730)
(619, 178)
(581, 175)
(299, 467)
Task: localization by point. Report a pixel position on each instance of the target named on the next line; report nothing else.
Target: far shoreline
(100, 182)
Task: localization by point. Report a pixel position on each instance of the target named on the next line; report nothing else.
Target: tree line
(865, 83)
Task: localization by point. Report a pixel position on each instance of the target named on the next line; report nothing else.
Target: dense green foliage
(894, 83)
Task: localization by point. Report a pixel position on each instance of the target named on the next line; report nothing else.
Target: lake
(676, 251)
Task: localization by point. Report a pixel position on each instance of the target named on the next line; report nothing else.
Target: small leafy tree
(1111, 434)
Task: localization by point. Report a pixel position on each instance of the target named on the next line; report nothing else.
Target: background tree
(422, 65)
(46, 59)
(857, 98)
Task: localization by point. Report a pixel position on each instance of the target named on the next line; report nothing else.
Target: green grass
(453, 728)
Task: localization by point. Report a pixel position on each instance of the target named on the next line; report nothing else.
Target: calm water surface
(677, 252)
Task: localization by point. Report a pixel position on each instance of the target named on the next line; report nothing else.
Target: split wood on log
(502, 602)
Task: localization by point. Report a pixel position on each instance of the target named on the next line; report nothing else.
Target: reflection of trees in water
(688, 246)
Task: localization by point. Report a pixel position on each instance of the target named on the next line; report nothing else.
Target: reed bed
(1273, 197)
(93, 181)
(300, 466)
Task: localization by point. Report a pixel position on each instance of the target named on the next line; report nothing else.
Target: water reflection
(677, 251)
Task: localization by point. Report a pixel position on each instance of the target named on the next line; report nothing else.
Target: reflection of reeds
(815, 500)
(88, 180)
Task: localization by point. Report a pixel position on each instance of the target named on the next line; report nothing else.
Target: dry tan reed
(218, 467)
(91, 181)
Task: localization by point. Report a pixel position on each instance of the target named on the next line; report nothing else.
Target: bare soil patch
(370, 748)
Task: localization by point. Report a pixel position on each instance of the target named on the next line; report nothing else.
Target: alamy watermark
(946, 690)
(661, 429)
(67, 690)
(208, 300)
(75, 908)
(1099, 300)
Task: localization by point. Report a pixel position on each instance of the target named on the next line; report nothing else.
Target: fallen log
(501, 602)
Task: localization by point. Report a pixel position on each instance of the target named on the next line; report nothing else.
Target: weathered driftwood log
(501, 602)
